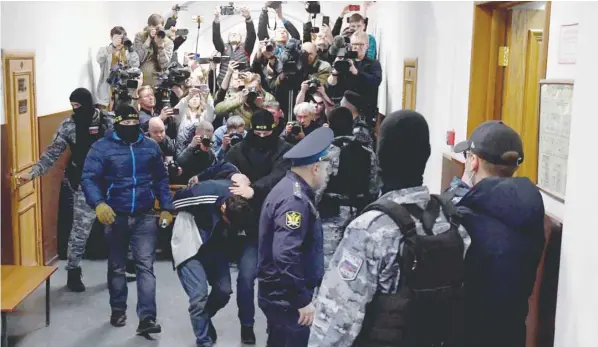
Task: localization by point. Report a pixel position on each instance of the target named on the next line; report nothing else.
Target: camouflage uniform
(83, 215)
(366, 262)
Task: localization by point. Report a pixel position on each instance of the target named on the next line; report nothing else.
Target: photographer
(154, 49)
(357, 22)
(281, 34)
(279, 122)
(198, 156)
(118, 52)
(157, 133)
(322, 39)
(246, 101)
(235, 49)
(227, 136)
(314, 92)
(266, 64)
(305, 124)
(361, 75)
(147, 103)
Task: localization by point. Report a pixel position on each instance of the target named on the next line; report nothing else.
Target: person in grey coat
(109, 57)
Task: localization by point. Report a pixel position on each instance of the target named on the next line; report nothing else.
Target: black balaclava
(403, 150)
(341, 121)
(83, 116)
(262, 120)
(127, 133)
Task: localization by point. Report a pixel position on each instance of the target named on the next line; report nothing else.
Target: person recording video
(235, 48)
(147, 104)
(266, 64)
(247, 100)
(118, 54)
(154, 48)
(227, 136)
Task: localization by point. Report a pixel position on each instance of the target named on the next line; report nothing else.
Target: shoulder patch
(349, 266)
(293, 220)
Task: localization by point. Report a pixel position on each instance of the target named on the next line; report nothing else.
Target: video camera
(293, 59)
(173, 76)
(123, 79)
(313, 85)
(312, 7)
(229, 10)
(343, 66)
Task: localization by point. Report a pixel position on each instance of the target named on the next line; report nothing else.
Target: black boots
(118, 319)
(74, 282)
(149, 326)
(247, 335)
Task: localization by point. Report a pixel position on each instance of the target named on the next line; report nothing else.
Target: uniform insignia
(94, 130)
(293, 220)
(349, 266)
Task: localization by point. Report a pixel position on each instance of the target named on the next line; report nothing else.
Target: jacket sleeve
(291, 29)
(227, 105)
(262, 26)
(324, 71)
(371, 52)
(264, 185)
(307, 31)
(103, 54)
(160, 176)
(133, 59)
(52, 153)
(190, 198)
(185, 157)
(140, 47)
(251, 36)
(287, 246)
(217, 38)
(336, 30)
(91, 179)
(165, 54)
(338, 318)
(372, 78)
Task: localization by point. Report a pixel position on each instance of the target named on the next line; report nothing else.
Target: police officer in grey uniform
(366, 261)
(86, 125)
(290, 258)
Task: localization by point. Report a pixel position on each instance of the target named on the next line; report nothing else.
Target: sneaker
(74, 282)
(149, 326)
(247, 335)
(118, 319)
(212, 332)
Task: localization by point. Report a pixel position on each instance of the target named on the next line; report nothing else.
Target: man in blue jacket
(122, 175)
(505, 218)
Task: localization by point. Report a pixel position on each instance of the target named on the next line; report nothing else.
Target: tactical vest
(74, 169)
(427, 310)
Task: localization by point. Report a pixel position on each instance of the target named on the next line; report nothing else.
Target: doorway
(22, 150)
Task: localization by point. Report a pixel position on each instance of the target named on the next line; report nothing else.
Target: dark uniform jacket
(290, 258)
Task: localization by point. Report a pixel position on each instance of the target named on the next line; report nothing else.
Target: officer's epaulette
(297, 190)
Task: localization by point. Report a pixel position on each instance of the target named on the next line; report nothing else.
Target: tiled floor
(81, 319)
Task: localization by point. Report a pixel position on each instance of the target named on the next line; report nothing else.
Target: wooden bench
(18, 282)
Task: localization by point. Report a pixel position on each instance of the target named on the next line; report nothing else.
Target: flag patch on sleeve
(349, 266)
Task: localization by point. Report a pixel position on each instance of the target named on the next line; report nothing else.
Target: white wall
(66, 36)
(576, 319)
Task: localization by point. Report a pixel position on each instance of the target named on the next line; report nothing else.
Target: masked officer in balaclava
(123, 175)
(85, 126)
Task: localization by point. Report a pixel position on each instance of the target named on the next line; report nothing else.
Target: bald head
(156, 129)
(311, 50)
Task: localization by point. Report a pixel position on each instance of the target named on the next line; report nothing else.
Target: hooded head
(341, 121)
(261, 136)
(83, 108)
(403, 150)
(126, 123)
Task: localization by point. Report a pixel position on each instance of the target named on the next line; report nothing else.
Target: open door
(22, 133)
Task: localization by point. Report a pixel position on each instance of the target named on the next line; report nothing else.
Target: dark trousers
(283, 329)
(247, 266)
(140, 232)
(195, 274)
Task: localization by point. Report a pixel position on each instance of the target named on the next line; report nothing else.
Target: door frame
(6, 56)
(486, 77)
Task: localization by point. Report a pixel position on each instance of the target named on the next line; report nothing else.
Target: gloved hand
(165, 219)
(105, 213)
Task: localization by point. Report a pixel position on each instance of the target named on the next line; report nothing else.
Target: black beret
(354, 99)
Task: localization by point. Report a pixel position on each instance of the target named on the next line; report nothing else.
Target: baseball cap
(125, 112)
(495, 142)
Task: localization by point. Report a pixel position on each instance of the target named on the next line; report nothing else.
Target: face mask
(128, 133)
(83, 115)
(261, 143)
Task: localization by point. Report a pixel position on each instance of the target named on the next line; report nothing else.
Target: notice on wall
(554, 130)
(568, 44)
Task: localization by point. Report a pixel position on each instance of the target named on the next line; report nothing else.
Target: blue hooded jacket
(505, 219)
(127, 177)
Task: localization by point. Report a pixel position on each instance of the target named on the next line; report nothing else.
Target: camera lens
(161, 34)
(269, 48)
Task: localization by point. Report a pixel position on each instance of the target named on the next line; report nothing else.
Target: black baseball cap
(495, 142)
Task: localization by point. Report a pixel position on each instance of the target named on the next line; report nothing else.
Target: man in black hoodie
(505, 218)
(259, 157)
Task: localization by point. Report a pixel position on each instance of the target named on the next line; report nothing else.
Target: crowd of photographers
(272, 154)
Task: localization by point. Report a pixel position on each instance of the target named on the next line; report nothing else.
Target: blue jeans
(247, 266)
(195, 274)
(141, 233)
(283, 327)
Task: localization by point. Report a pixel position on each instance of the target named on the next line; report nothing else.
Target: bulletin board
(554, 130)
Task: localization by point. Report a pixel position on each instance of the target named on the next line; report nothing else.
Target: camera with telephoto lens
(293, 59)
(128, 44)
(173, 76)
(313, 85)
(252, 94)
(343, 66)
(295, 129)
(312, 7)
(206, 141)
(122, 80)
(235, 138)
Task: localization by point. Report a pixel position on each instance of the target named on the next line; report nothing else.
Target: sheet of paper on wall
(554, 130)
(568, 43)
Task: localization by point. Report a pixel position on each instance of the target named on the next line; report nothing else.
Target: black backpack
(427, 310)
(354, 171)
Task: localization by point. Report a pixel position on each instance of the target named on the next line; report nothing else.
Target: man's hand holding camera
(245, 13)
(352, 68)
(203, 143)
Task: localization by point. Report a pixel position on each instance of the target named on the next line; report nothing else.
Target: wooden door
(519, 108)
(19, 101)
(409, 83)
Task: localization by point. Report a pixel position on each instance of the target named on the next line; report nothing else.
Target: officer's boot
(74, 282)
(247, 335)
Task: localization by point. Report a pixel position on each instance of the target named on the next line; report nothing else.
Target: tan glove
(165, 219)
(105, 213)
